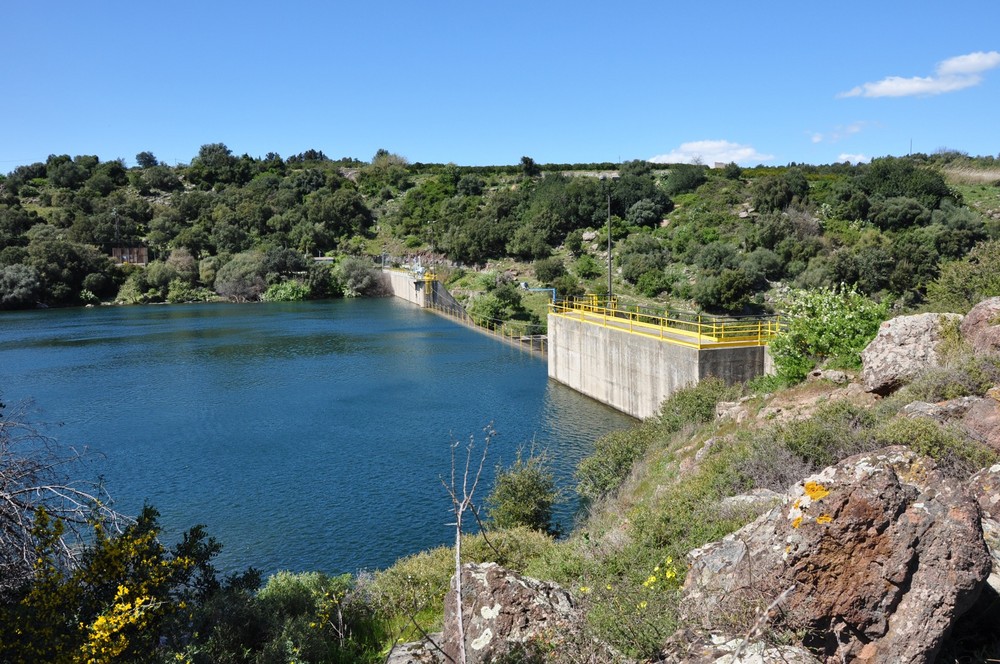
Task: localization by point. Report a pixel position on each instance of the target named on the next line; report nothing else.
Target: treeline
(686, 235)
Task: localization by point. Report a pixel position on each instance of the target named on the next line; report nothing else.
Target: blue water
(305, 436)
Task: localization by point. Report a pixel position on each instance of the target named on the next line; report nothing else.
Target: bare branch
(34, 474)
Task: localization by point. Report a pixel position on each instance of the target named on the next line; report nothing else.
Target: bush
(953, 451)
(964, 283)
(695, 404)
(586, 267)
(292, 290)
(549, 269)
(611, 462)
(524, 494)
(317, 618)
(825, 325)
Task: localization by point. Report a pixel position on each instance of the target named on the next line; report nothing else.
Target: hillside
(725, 240)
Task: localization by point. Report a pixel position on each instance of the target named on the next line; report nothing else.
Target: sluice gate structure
(632, 360)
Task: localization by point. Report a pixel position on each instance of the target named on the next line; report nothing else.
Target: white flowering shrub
(828, 326)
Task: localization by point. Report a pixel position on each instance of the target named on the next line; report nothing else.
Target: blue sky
(478, 83)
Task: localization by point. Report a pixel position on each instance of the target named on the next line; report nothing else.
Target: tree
(242, 278)
(360, 277)
(19, 286)
(529, 168)
(461, 500)
(146, 160)
(685, 177)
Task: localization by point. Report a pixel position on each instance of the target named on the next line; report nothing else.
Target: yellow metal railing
(685, 329)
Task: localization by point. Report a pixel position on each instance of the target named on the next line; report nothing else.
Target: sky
(485, 83)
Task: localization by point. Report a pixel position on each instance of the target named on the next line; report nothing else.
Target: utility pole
(607, 189)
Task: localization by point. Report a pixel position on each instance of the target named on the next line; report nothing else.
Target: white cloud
(853, 158)
(709, 152)
(838, 133)
(973, 63)
(951, 75)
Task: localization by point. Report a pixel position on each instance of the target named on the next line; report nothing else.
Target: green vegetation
(523, 495)
(685, 237)
(825, 326)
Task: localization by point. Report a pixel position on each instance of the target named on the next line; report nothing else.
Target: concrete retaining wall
(634, 374)
(401, 284)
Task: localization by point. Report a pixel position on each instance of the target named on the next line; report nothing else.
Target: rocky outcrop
(981, 326)
(984, 486)
(873, 559)
(904, 347)
(503, 611)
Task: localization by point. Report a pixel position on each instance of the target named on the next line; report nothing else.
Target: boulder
(904, 347)
(838, 377)
(503, 611)
(873, 559)
(981, 326)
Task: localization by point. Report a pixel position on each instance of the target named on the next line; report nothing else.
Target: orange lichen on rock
(815, 490)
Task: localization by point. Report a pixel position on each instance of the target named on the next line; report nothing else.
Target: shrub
(524, 494)
(292, 290)
(954, 452)
(825, 325)
(316, 618)
(964, 283)
(611, 462)
(549, 269)
(586, 267)
(695, 404)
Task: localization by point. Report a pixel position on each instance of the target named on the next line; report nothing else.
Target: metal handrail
(686, 329)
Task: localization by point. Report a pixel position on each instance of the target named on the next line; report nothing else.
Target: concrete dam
(628, 360)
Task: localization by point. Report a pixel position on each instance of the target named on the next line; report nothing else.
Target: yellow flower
(584, 589)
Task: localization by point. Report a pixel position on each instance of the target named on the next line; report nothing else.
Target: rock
(735, 410)
(589, 236)
(418, 652)
(503, 610)
(981, 326)
(984, 486)
(945, 411)
(904, 347)
(758, 500)
(689, 647)
(838, 377)
(875, 558)
(705, 448)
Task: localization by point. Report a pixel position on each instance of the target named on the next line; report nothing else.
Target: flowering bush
(830, 326)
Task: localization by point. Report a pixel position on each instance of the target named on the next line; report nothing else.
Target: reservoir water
(305, 436)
